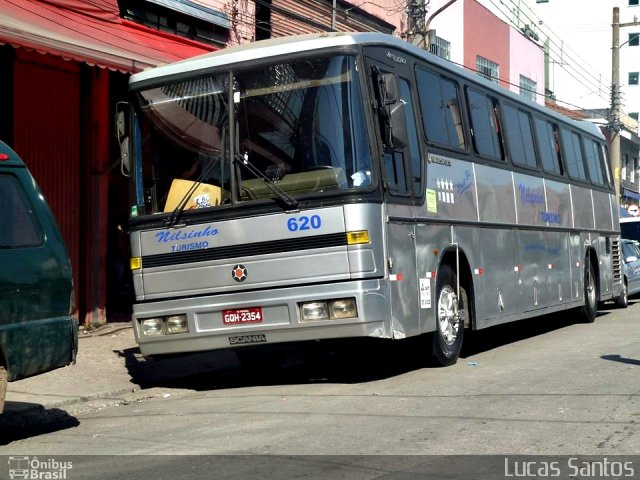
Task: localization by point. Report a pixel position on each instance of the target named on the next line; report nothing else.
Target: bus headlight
(151, 326)
(343, 308)
(177, 324)
(315, 311)
(329, 309)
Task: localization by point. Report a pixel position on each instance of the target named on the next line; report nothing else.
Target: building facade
(469, 34)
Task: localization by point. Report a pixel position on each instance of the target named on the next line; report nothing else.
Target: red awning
(91, 32)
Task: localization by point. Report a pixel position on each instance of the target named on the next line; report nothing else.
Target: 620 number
(304, 223)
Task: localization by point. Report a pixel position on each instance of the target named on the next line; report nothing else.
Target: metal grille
(488, 69)
(246, 250)
(617, 260)
(528, 88)
(440, 47)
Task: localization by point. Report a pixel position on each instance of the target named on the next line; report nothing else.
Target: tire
(589, 310)
(447, 339)
(3, 386)
(623, 300)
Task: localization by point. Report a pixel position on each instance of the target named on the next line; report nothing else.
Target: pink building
(469, 34)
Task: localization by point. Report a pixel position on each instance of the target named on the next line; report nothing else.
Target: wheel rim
(591, 290)
(448, 317)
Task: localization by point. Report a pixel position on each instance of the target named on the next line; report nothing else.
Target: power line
(583, 75)
(503, 80)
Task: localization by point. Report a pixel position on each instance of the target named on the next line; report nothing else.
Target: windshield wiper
(243, 160)
(177, 212)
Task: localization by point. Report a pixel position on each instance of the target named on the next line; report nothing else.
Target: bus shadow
(22, 420)
(487, 339)
(341, 361)
(344, 361)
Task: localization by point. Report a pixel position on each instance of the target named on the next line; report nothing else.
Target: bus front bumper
(280, 318)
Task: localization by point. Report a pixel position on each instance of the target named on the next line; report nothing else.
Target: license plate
(242, 315)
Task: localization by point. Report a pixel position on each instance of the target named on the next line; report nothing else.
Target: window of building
(633, 78)
(488, 69)
(440, 105)
(634, 39)
(573, 154)
(633, 3)
(634, 115)
(439, 46)
(629, 167)
(517, 124)
(484, 126)
(528, 88)
(186, 19)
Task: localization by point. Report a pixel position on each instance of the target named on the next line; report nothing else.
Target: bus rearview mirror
(398, 117)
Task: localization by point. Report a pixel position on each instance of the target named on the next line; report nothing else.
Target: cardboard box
(205, 195)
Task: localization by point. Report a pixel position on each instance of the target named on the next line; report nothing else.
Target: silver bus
(352, 185)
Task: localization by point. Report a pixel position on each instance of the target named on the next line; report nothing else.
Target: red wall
(487, 36)
(46, 127)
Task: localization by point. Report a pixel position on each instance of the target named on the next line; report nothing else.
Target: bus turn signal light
(135, 263)
(358, 237)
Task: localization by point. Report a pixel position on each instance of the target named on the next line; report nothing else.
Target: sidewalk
(109, 370)
(99, 372)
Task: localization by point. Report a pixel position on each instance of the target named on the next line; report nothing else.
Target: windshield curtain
(183, 128)
(300, 124)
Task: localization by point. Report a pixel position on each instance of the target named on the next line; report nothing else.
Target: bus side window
(548, 147)
(520, 137)
(440, 105)
(573, 154)
(594, 162)
(394, 171)
(605, 156)
(485, 129)
(413, 148)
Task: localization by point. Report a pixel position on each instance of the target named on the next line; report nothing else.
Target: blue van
(37, 329)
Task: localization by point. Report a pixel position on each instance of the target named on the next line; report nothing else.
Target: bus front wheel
(450, 313)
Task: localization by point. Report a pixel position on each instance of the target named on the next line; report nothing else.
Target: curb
(105, 330)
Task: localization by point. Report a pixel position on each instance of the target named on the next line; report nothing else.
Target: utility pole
(416, 11)
(616, 107)
(333, 16)
(615, 102)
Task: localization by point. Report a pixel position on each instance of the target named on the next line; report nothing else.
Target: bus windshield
(299, 125)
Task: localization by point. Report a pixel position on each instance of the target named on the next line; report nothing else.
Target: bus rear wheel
(447, 339)
(623, 300)
(590, 308)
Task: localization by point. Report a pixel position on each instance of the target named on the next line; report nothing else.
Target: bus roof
(288, 45)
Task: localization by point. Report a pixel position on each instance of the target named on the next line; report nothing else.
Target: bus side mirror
(395, 111)
(398, 116)
(390, 88)
(122, 134)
